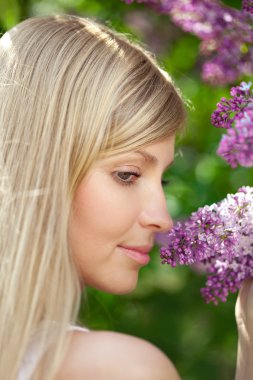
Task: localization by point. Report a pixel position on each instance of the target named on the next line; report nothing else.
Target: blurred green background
(167, 308)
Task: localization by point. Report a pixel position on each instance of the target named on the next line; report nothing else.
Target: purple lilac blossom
(247, 5)
(229, 110)
(226, 35)
(236, 147)
(236, 115)
(220, 238)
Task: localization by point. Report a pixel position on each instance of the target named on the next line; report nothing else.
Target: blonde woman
(87, 128)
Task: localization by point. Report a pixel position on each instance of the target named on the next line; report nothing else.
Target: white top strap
(78, 328)
(34, 354)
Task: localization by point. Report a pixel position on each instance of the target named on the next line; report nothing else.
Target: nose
(155, 214)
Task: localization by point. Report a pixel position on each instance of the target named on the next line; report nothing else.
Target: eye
(126, 177)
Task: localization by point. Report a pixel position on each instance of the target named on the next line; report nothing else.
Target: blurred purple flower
(247, 5)
(236, 115)
(226, 34)
(236, 147)
(220, 237)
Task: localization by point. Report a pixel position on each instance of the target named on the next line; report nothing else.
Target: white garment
(34, 355)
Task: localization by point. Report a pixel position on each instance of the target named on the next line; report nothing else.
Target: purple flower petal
(220, 237)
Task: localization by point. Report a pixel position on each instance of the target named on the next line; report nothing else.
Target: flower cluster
(236, 115)
(226, 35)
(247, 5)
(229, 110)
(220, 238)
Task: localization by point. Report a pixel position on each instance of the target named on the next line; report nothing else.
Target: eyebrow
(149, 158)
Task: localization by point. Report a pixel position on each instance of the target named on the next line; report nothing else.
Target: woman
(88, 122)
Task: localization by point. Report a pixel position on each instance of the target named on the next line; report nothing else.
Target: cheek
(104, 215)
(101, 213)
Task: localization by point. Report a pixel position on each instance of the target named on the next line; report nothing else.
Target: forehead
(157, 153)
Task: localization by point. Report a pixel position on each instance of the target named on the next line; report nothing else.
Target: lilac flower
(247, 5)
(220, 237)
(228, 111)
(214, 69)
(226, 34)
(236, 115)
(236, 147)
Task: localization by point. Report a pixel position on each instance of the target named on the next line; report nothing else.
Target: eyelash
(164, 182)
(126, 182)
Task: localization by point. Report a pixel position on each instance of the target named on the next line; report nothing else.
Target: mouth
(137, 253)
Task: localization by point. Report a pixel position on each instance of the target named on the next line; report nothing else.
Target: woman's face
(117, 209)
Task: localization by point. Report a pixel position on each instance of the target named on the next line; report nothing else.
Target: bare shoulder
(103, 355)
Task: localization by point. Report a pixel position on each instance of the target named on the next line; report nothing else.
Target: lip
(137, 253)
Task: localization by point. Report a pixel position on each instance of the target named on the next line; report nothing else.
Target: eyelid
(127, 182)
(128, 169)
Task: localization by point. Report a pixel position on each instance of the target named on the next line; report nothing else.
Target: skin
(114, 356)
(119, 202)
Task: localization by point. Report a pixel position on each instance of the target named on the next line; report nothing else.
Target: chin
(118, 288)
(124, 290)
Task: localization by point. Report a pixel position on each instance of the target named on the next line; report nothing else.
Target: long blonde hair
(71, 91)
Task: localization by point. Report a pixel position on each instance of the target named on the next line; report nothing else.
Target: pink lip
(139, 254)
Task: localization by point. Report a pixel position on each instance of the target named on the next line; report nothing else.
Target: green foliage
(9, 13)
(166, 308)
